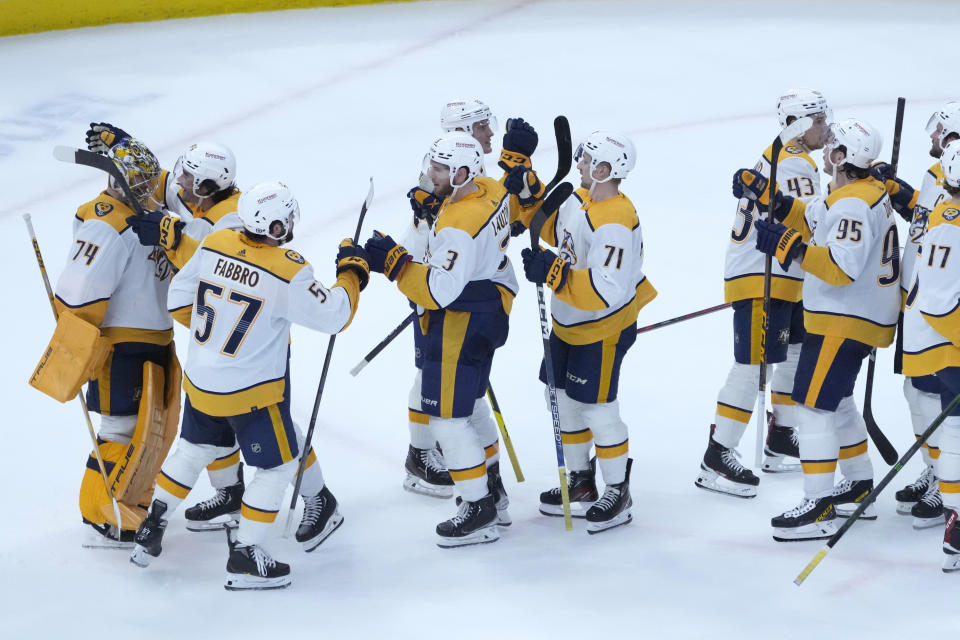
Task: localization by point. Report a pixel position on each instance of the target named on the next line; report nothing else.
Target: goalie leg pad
(76, 351)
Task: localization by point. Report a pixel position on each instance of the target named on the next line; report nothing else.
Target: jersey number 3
(208, 314)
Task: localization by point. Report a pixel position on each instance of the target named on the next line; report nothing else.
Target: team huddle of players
(187, 245)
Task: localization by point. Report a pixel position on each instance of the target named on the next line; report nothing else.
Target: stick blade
(63, 153)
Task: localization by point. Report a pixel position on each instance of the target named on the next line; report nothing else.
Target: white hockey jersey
(465, 265)
(852, 265)
(797, 176)
(931, 324)
(931, 194)
(111, 280)
(606, 286)
(239, 299)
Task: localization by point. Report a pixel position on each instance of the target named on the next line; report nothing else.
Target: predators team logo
(783, 337)
(103, 208)
(296, 257)
(951, 213)
(567, 251)
(163, 268)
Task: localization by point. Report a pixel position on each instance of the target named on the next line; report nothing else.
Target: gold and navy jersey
(113, 281)
(797, 176)
(465, 265)
(931, 324)
(239, 298)
(200, 224)
(931, 194)
(605, 287)
(851, 286)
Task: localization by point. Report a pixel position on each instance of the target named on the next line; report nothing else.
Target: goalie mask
(140, 168)
(209, 161)
(269, 209)
(464, 113)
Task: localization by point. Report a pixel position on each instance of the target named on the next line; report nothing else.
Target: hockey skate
(251, 568)
(321, 517)
(582, 486)
(150, 535)
(812, 519)
(497, 490)
(720, 471)
(928, 512)
(848, 495)
(613, 508)
(781, 443)
(475, 523)
(104, 536)
(426, 474)
(913, 492)
(951, 543)
(212, 513)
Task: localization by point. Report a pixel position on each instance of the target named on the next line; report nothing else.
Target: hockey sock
(482, 422)
(180, 472)
(924, 408)
(819, 448)
(610, 439)
(225, 470)
(735, 404)
(852, 436)
(117, 428)
(575, 435)
(261, 502)
(948, 465)
(464, 456)
(421, 435)
(784, 408)
(312, 482)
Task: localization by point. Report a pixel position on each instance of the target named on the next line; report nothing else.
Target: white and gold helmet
(140, 168)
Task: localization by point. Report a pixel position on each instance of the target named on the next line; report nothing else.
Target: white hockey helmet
(209, 161)
(950, 163)
(458, 149)
(463, 113)
(140, 168)
(613, 148)
(861, 140)
(948, 117)
(264, 205)
(802, 102)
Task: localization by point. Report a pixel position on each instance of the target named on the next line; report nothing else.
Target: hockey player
(743, 286)
(598, 290)
(847, 246)
(239, 294)
(466, 287)
(932, 335)
(921, 499)
(111, 299)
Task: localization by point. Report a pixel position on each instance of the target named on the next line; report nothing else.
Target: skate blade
(846, 510)
(414, 484)
(928, 523)
(623, 517)
(905, 508)
(815, 531)
(332, 525)
(726, 488)
(480, 536)
(140, 557)
(951, 563)
(242, 582)
(775, 464)
(216, 524)
(577, 509)
(94, 540)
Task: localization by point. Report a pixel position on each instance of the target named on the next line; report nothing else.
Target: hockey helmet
(265, 205)
(455, 150)
(613, 148)
(860, 139)
(802, 102)
(140, 168)
(463, 113)
(209, 161)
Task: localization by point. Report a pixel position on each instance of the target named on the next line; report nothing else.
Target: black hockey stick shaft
(689, 316)
(323, 381)
(561, 128)
(383, 343)
(886, 449)
(872, 496)
(551, 204)
(97, 161)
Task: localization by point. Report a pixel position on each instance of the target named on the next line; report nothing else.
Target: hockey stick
(323, 380)
(551, 204)
(383, 344)
(507, 442)
(887, 452)
(791, 131)
(561, 129)
(866, 502)
(97, 161)
(83, 401)
(689, 316)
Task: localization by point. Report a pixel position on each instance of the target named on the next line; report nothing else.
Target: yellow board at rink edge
(32, 16)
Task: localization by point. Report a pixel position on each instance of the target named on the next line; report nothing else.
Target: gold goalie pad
(75, 353)
(134, 477)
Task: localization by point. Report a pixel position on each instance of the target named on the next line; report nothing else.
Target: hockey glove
(774, 239)
(425, 205)
(524, 184)
(155, 229)
(517, 228)
(519, 143)
(901, 194)
(353, 258)
(103, 136)
(385, 255)
(545, 266)
(752, 185)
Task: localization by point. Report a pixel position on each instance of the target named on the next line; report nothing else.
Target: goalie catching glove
(784, 244)
(103, 136)
(353, 258)
(545, 266)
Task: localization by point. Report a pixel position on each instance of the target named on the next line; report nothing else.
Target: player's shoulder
(798, 159)
(944, 213)
(616, 210)
(869, 190)
(223, 208)
(279, 261)
(107, 209)
(936, 172)
(473, 211)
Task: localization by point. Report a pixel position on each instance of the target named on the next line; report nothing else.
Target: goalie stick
(90, 159)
